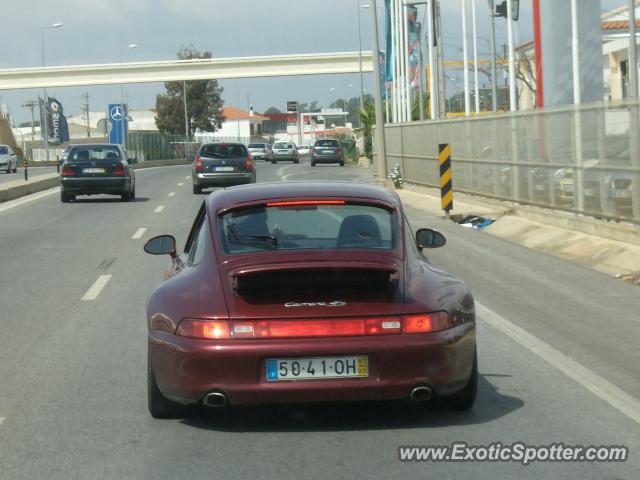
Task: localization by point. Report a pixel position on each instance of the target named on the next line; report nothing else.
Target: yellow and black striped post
(446, 188)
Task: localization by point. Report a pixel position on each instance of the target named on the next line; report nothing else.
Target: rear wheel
(313, 164)
(197, 189)
(15, 167)
(274, 161)
(342, 164)
(65, 197)
(159, 405)
(133, 192)
(125, 197)
(465, 398)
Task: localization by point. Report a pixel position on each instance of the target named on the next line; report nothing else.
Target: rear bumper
(218, 179)
(186, 369)
(285, 158)
(327, 159)
(95, 185)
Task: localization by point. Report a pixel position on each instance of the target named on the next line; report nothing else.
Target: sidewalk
(612, 257)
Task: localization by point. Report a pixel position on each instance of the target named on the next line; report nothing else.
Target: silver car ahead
(259, 151)
(284, 151)
(8, 159)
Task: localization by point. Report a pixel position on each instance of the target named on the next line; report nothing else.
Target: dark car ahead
(327, 150)
(222, 164)
(307, 292)
(95, 169)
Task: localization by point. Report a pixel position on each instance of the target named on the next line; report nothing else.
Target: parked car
(8, 159)
(307, 292)
(260, 151)
(222, 164)
(327, 150)
(284, 151)
(95, 169)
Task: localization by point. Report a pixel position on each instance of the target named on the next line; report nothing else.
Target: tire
(296, 161)
(274, 161)
(15, 167)
(313, 164)
(197, 189)
(132, 195)
(65, 197)
(125, 197)
(342, 164)
(159, 406)
(465, 398)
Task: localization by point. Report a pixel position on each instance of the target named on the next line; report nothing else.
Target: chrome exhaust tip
(215, 399)
(422, 393)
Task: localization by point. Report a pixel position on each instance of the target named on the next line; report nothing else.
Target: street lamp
(46, 99)
(124, 112)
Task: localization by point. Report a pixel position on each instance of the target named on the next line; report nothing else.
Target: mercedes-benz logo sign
(116, 113)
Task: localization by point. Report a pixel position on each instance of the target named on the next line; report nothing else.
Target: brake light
(313, 150)
(119, 170)
(248, 163)
(292, 203)
(428, 322)
(332, 327)
(67, 172)
(198, 163)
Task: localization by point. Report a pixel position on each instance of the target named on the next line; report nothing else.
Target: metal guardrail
(532, 157)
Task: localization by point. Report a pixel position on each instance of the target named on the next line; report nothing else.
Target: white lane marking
(96, 288)
(172, 194)
(29, 198)
(139, 233)
(180, 184)
(2, 419)
(188, 177)
(159, 209)
(593, 382)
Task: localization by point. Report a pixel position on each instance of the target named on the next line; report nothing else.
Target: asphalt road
(73, 372)
(33, 171)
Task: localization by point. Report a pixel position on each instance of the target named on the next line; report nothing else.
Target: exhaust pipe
(422, 393)
(215, 399)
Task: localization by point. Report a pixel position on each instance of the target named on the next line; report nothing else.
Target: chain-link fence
(584, 159)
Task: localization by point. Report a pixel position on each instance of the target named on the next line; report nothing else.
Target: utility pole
(186, 119)
(85, 110)
(380, 136)
(494, 73)
(31, 105)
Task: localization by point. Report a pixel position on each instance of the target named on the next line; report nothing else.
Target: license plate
(224, 169)
(93, 170)
(317, 368)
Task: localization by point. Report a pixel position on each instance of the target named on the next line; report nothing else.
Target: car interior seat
(359, 231)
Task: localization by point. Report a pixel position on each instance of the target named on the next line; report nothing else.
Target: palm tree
(367, 121)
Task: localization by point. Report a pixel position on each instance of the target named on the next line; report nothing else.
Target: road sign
(446, 187)
(292, 107)
(117, 115)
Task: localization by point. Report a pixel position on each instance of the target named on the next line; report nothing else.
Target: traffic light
(501, 9)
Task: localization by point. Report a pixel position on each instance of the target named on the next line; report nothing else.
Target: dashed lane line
(96, 288)
(139, 233)
(172, 194)
(159, 209)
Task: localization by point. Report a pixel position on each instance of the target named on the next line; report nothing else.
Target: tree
(367, 121)
(271, 111)
(204, 102)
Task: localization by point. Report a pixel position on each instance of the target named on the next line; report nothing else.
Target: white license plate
(224, 169)
(93, 170)
(317, 368)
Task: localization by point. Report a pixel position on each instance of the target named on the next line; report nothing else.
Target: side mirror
(428, 238)
(161, 245)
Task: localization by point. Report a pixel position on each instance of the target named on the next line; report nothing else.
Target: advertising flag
(52, 112)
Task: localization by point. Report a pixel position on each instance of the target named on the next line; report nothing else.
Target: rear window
(4, 150)
(91, 153)
(283, 145)
(223, 151)
(327, 143)
(310, 226)
(257, 145)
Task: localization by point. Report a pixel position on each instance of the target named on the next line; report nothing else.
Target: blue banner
(57, 126)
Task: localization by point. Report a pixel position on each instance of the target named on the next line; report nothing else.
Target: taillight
(313, 151)
(427, 322)
(198, 163)
(119, 170)
(67, 172)
(213, 329)
(332, 327)
(248, 163)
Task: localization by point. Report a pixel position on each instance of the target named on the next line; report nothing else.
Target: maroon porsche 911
(307, 292)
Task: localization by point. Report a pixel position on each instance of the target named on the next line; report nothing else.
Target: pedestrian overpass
(180, 70)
